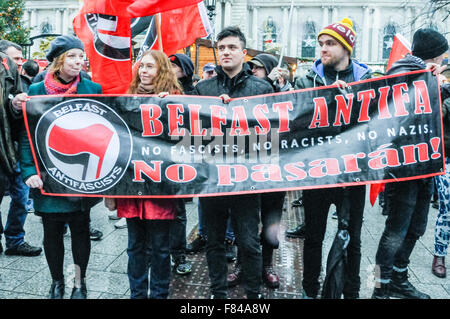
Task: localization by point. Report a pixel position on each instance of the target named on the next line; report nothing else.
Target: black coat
(10, 119)
(241, 85)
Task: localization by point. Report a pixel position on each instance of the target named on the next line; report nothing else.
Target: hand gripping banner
(385, 129)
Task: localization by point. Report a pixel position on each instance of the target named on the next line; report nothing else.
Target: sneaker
(297, 232)
(95, 234)
(182, 266)
(270, 278)
(197, 245)
(113, 215)
(297, 203)
(24, 249)
(234, 278)
(122, 223)
(230, 249)
(334, 215)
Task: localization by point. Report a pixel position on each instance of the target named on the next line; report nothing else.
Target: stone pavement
(29, 278)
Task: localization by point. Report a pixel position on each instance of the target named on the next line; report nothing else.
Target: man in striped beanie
(335, 67)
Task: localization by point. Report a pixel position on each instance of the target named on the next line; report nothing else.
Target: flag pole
(287, 34)
(158, 30)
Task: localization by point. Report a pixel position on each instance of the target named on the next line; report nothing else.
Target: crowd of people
(228, 226)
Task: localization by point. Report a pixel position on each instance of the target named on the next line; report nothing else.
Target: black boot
(400, 287)
(57, 289)
(79, 290)
(382, 292)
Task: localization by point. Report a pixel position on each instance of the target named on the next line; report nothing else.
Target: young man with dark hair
(335, 67)
(234, 79)
(409, 201)
(29, 70)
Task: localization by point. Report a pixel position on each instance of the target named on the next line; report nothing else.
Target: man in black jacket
(11, 100)
(234, 79)
(409, 201)
(19, 192)
(335, 66)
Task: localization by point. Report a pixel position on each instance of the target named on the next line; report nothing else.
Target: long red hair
(165, 80)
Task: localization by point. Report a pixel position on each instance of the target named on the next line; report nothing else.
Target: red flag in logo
(93, 139)
(400, 47)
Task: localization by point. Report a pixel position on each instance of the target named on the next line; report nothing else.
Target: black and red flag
(106, 28)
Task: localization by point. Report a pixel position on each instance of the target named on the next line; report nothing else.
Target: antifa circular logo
(84, 145)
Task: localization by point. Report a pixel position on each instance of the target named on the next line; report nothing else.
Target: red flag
(107, 42)
(181, 27)
(142, 8)
(93, 139)
(108, 7)
(104, 26)
(400, 47)
(375, 189)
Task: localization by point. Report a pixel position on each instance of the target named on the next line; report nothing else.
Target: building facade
(265, 22)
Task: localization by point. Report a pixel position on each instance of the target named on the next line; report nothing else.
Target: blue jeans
(201, 230)
(14, 231)
(148, 246)
(244, 212)
(407, 221)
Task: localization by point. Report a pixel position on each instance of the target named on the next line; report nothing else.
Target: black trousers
(54, 241)
(317, 204)
(244, 210)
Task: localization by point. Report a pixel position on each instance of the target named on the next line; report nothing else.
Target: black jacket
(241, 85)
(10, 119)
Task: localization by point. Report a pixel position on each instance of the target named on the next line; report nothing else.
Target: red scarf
(53, 86)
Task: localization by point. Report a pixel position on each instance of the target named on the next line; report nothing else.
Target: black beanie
(62, 44)
(428, 44)
(184, 62)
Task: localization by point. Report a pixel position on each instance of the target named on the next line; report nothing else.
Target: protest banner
(386, 129)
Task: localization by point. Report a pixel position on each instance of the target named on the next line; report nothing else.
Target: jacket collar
(237, 79)
(359, 70)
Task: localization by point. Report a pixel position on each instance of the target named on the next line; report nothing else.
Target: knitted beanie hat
(62, 44)
(342, 32)
(428, 43)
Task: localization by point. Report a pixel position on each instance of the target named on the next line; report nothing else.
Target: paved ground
(29, 278)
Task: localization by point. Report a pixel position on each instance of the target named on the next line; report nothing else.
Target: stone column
(365, 35)
(33, 22)
(376, 43)
(293, 38)
(334, 15)
(58, 25)
(26, 18)
(227, 16)
(325, 12)
(65, 24)
(255, 27)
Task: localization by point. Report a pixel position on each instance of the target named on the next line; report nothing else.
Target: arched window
(309, 40)
(269, 34)
(388, 39)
